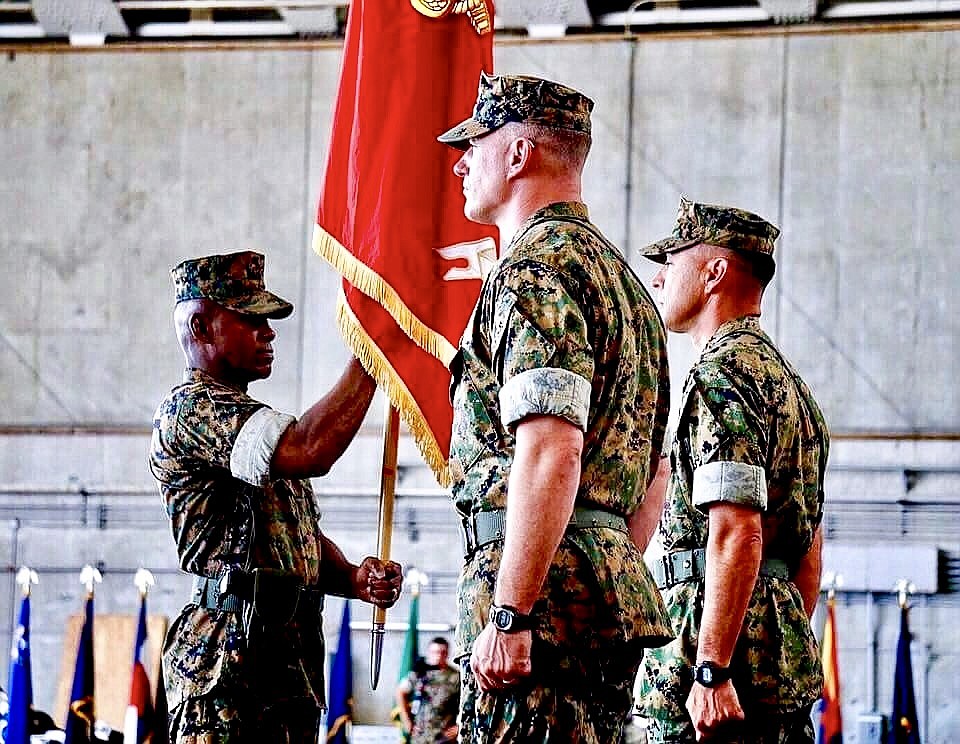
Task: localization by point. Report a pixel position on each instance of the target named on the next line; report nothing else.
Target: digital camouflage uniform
(563, 327)
(435, 700)
(210, 455)
(742, 403)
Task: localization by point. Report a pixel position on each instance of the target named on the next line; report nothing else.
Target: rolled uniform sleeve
(541, 348)
(205, 424)
(728, 443)
(255, 444)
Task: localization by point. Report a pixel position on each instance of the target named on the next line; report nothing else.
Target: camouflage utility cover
(565, 327)
(220, 522)
(233, 280)
(505, 98)
(744, 403)
(727, 227)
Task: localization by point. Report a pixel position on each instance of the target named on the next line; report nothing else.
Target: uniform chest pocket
(476, 429)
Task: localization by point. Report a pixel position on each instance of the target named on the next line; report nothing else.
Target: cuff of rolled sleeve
(256, 442)
(549, 391)
(730, 482)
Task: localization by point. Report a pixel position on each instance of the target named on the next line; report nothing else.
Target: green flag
(411, 652)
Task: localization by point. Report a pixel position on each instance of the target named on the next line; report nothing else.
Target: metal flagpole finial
(833, 581)
(90, 576)
(25, 578)
(143, 580)
(904, 588)
(414, 579)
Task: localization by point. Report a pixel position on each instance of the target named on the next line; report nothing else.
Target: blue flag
(139, 720)
(80, 716)
(340, 712)
(21, 684)
(904, 727)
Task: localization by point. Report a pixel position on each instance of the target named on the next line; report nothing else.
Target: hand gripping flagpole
(388, 483)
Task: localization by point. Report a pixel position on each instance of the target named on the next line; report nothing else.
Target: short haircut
(566, 146)
(762, 267)
(440, 641)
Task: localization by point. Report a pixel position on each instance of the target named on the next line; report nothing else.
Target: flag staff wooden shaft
(388, 484)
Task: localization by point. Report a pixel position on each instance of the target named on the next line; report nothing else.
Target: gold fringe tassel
(372, 284)
(337, 725)
(386, 377)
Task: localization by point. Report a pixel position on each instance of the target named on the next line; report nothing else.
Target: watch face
(502, 619)
(709, 674)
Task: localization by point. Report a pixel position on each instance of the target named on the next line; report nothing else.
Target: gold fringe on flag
(372, 284)
(340, 723)
(374, 361)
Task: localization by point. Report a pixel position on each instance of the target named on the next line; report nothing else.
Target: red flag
(831, 723)
(390, 218)
(139, 719)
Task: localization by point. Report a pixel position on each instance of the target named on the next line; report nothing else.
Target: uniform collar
(192, 374)
(745, 323)
(576, 210)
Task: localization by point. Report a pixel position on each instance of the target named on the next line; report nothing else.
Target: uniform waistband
(486, 527)
(686, 565)
(234, 589)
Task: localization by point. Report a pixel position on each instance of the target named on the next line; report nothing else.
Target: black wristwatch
(709, 674)
(509, 619)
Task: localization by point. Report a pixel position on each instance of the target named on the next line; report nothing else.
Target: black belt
(686, 565)
(488, 527)
(210, 593)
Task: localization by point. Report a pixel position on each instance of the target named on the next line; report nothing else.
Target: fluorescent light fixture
(215, 28)
(230, 4)
(21, 31)
(907, 7)
(547, 30)
(664, 16)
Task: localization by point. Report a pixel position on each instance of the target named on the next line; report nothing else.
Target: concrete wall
(118, 164)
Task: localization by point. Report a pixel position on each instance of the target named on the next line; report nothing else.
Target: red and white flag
(390, 217)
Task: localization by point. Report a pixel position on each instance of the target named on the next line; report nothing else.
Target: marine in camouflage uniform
(431, 696)
(563, 330)
(749, 434)
(233, 674)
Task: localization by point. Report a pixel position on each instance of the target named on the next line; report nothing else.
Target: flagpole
(388, 484)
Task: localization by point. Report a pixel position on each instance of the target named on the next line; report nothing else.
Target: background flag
(409, 658)
(21, 681)
(139, 720)
(80, 716)
(904, 728)
(831, 724)
(411, 644)
(390, 217)
(160, 732)
(340, 710)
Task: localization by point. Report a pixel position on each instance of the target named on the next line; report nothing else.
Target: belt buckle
(469, 527)
(668, 574)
